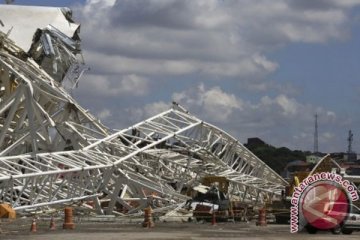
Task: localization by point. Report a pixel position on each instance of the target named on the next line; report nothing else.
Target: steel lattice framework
(37, 114)
(53, 151)
(161, 155)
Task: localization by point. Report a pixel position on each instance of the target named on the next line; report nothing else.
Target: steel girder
(180, 149)
(154, 160)
(53, 151)
(37, 114)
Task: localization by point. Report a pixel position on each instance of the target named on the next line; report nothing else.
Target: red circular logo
(325, 205)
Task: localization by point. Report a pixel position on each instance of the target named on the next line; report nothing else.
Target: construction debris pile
(52, 151)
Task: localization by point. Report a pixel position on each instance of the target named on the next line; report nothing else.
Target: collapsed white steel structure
(53, 151)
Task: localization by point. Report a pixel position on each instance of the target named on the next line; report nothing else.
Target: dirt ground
(89, 230)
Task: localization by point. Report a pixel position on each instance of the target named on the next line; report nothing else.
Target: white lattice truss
(161, 155)
(52, 151)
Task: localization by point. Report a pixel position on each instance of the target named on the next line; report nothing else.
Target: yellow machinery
(6, 211)
(222, 181)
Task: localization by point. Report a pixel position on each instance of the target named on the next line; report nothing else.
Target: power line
(316, 138)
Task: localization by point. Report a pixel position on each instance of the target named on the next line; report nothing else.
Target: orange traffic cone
(148, 222)
(52, 224)
(213, 220)
(262, 217)
(33, 226)
(68, 220)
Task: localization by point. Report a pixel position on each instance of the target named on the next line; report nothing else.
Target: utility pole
(316, 138)
(350, 140)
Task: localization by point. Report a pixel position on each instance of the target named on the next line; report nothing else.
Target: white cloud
(102, 85)
(116, 64)
(285, 88)
(331, 116)
(214, 103)
(152, 109)
(346, 3)
(286, 106)
(328, 135)
(261, 60)
(325, 17)
(120, 65)
(219, 39)
(134, 84)
(289, 106)
(133, 45)
(137, 114)
(279, 120)
(104, 114)
(219, 105)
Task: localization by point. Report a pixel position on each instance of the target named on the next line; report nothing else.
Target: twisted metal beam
(52, 151)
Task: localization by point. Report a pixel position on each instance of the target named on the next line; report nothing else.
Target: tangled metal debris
(53, 151)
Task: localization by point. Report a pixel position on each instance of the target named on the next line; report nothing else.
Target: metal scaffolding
(53, 151)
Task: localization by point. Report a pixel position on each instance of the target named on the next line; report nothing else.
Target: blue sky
(254, 68)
